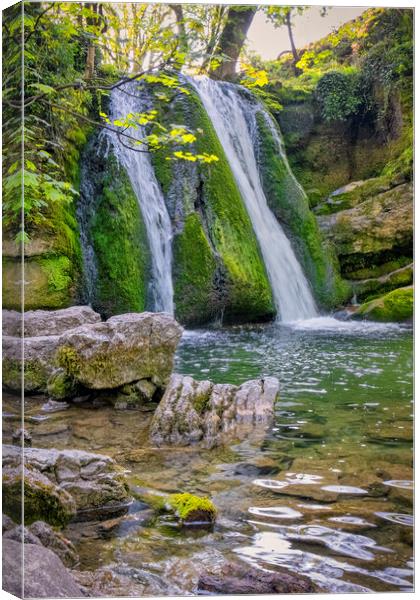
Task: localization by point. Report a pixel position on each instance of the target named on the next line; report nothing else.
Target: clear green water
(327, 491)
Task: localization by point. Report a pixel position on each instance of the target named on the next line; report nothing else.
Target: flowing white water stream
(149, 195)
(232, 118)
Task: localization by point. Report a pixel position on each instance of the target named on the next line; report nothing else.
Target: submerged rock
(201, 411)
(61, 484)
(236, 578)
(45, 576)
(124, 349)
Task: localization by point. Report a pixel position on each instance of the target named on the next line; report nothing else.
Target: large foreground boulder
(69, 348)
(124, 349)
(210, 414)
(75, 483)
(41, 330)
(36, 573)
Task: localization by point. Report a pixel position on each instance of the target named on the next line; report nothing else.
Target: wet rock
(55, 541)
(38, 362)
(259, 467)
(188, 509)
(92, 484)
(7, 523)
(235, 578)
(42, 498)
(42, 329)
(47, 322)
(45, 574)
(382, 223)
(22, 435)
(207, 413)
(124, 349)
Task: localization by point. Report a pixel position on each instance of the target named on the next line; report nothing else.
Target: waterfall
(140, 171)
(234, 119)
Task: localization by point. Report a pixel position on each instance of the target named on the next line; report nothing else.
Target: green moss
(120, 241)
(60, 386)
(41, 500)
(201, 402)
(35, 375)
(189, 508)
(290, 205)
(194, 273)
(397, 306)
(67, 358)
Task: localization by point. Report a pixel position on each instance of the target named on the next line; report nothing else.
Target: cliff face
(347, 122)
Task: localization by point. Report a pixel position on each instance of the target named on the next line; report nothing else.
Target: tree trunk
(182, 35)
(90, 56)
(292, 43)
(232, 40)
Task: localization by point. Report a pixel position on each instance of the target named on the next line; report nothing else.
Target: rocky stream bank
(71, 357)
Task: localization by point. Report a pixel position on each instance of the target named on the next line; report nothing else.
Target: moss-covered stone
(397, 306)
(217, 265)
(190, 509)
(289, 203)
(35, 374)
(120, 242)
(60, 385)
(42, 499)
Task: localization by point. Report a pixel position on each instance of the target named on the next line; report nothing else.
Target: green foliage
(339, 95)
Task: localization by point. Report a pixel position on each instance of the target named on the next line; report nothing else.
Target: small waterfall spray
(233, 119)
(149, 195)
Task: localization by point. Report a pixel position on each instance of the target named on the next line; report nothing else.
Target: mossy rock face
(290, 205)
(217, 265)
(117, 234)
(53, 259)
(377, 230)
(49, 282)
(192, 509)
(42, 499)
(369, 289)
(397, 306)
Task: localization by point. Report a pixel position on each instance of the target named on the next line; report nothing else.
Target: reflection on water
(328, 493)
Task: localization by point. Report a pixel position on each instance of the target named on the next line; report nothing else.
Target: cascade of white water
(149, 195)
(232, 118)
